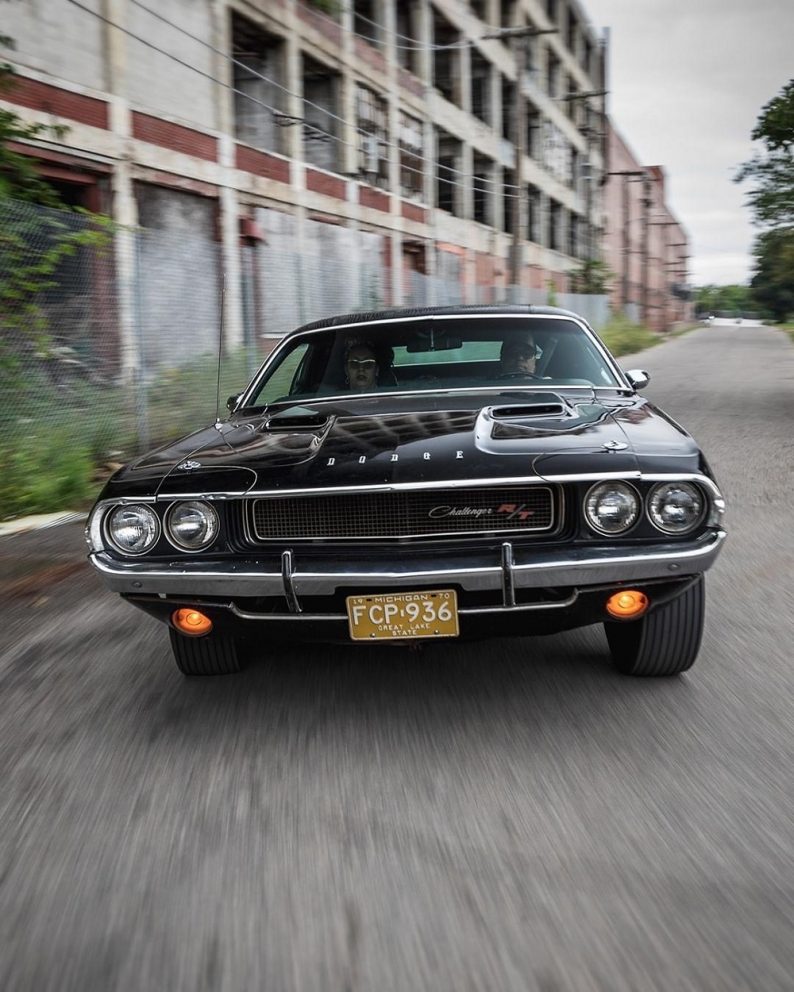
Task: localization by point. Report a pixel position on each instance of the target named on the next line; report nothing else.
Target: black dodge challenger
(422, 473)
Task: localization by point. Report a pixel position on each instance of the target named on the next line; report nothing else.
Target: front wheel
(665, 641)
(214, 654)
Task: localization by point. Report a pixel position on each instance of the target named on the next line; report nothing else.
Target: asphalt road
(510, 815)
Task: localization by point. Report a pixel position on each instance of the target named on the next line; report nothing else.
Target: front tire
(665, 641)
(214, 654)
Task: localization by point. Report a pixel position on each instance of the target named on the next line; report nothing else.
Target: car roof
(398, 313)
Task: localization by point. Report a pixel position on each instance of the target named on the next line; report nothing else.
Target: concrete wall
(57, 39)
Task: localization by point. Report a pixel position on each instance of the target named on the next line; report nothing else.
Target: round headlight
(612, 507)
(675, 507)
(192, 525)
(133, 529)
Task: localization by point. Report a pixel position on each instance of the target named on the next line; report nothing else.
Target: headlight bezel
(107, 520)
(618, 484)
(705, 506)
(174, 541)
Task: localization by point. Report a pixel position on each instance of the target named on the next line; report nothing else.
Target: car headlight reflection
(133, 529)
(192, 525)
(675, 507)
(612, 507)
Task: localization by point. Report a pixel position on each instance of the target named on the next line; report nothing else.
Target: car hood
(374, 441)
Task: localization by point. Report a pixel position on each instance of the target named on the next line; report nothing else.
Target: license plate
(403, 614)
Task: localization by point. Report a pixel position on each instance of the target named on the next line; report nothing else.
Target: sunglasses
(521, 351)
(362, 363)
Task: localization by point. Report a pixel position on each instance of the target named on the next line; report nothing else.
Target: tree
(773, 282)
(713, 299)
(772, 199)
(772, 203)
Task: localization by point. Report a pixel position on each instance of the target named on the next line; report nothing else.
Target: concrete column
(221, 67)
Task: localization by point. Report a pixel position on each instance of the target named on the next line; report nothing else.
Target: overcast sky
(687, 80)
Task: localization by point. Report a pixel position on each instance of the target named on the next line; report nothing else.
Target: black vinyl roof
(396, 313)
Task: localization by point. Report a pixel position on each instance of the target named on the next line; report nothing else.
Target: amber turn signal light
(627, 603)
(191, 622)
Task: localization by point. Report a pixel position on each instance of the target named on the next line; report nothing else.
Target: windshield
(431, 354)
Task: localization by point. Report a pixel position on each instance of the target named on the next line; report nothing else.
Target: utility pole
(519, 38)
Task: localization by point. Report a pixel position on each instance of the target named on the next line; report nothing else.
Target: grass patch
(622, 337)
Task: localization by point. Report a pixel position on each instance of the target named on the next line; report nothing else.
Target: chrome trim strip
(289, 589)
(510, 480)
(508, 587)
(342, 617)
(541, 568)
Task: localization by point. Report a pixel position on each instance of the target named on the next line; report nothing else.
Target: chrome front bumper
(298, 575)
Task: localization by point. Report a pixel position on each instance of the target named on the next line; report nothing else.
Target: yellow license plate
(403, 614)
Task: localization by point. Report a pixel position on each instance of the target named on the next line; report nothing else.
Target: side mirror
(638, 378)
(231, 403)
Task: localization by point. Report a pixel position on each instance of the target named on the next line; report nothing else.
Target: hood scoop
(296, 419)
(548, 408)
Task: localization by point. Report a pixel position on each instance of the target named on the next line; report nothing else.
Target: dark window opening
(446, 70)
(321, 113)
(482, 189)
(555, 226)
(533, 215)
(448, 174)
(480, 87)
(365, 21)
(408, 41)
(510, 199)
(412, 158)
(533, 132)
(258, 77)
(373, 149)
(508, 108)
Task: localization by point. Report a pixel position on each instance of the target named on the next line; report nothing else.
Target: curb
(39, 522)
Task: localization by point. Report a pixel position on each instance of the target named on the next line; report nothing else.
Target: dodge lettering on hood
(422, 474)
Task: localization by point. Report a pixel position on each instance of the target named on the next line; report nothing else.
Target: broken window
(321, 106)
(411, 155)
(373, 136)
(257, 80)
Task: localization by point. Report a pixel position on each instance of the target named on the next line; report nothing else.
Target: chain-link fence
(110, 338)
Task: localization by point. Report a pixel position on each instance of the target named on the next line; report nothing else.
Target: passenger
(518, 356)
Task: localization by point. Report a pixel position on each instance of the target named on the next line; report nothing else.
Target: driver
(518, 355)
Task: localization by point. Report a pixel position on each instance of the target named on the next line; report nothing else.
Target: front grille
(413, 513)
